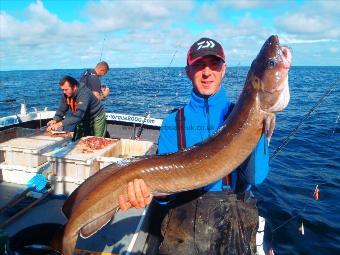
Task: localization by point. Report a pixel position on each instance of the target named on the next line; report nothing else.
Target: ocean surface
(285, 199)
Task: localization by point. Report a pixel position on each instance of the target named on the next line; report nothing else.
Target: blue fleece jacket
(203, 117)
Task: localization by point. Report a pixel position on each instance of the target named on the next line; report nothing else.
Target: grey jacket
(88, 107)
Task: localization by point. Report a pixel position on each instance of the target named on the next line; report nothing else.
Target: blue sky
(58, 34)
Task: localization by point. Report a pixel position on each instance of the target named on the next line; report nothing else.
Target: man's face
(67, 89)
(101, 70)
(206, 75)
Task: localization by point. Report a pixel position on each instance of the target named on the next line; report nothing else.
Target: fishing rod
(148, 112)
(281, 147)
(101, 51)
(307, 116)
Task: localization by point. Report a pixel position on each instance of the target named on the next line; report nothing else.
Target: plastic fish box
(28, 151)
(15, 132)
(11, 133)
(21, 174)
(64, 185)
(74, 163)
(126, 148)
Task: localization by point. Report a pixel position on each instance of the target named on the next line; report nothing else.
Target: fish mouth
(282, 54)
(274, 62)
(285, 54)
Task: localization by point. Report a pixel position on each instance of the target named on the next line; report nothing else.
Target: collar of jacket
(197, 102)
(75, 94)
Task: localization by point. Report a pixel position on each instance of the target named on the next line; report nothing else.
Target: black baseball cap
(204, 47)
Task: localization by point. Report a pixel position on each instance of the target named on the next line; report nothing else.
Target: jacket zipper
(208, 114)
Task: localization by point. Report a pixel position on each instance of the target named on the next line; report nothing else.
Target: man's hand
(97, 95)
(106, 91)
(55, 126)
(138, 195)
(51, 122)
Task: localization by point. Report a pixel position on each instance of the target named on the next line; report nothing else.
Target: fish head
(269, 75)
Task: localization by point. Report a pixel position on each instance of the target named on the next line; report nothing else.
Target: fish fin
(269, 125)
(85, 188)
(94, 226)
(91, 183)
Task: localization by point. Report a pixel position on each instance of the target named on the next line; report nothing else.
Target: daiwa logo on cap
(204, 47)
(205, 44)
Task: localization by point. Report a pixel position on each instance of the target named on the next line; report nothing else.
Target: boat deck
(125, 234)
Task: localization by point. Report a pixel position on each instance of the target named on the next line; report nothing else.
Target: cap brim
(190, 62)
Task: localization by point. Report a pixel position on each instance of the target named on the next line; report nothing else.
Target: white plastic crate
(28, 151)
(71, 165)
(127, 148)
(21, 174)
(12, 133)
(64, 185)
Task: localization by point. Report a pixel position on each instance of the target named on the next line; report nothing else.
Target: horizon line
(52, 69)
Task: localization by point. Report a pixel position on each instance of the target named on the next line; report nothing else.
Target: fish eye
(271, 63)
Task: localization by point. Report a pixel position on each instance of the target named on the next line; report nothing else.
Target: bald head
(102, 68)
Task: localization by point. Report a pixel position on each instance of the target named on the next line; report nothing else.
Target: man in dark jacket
(87, 112)
(91, 79)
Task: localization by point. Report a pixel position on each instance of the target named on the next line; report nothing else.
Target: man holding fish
(206, 219)
(198, 120)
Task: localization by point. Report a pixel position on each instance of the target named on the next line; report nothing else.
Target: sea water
(285, 199)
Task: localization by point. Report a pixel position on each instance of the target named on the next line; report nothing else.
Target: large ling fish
(265, 92)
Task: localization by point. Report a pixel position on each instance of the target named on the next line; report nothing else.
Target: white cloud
(315, 20)
(114, 15)
(242, 4)
(208, 13)
(334, 49)
(303, 23)
(147, 33)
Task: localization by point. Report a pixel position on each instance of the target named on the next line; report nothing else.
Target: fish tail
(57, 240)
(69, 244)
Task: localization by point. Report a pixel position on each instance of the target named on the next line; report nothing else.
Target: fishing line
(284, 223)
(148, 112)
(298, 127)
(286, 141)
(336, 124)
(101, 51)
(301, 229)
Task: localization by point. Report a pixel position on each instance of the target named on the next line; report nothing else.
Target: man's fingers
(138, 195)
(145, 192)
(132, 195)
(123, 204)
(138, 192)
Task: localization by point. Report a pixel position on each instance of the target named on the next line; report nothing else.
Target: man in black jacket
(90, 78)
(87, 112)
